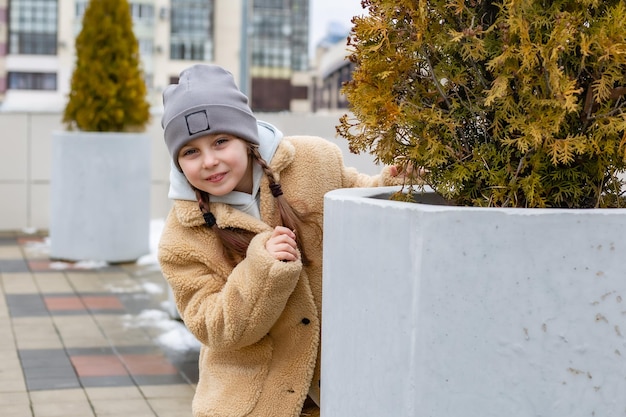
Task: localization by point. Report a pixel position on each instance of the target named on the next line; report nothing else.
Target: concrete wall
(25, 149)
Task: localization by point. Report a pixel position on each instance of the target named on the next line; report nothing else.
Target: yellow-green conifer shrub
(108, 92)
(518, 103)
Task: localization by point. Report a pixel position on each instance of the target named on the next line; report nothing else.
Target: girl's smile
(216, 178)
(217, 164)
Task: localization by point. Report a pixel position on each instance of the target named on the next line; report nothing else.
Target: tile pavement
(73, 343)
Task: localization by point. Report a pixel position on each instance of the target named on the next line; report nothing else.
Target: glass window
(191, 24)
(33, 27)
(270, 4)
(32, 81)
(280, 34)
(146, 46)
(79, 9)
(142, 12)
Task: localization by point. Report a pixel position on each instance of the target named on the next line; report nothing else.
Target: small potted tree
(100, 183)
(506, 297)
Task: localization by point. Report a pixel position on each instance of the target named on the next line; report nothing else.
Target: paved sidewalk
(85, 341)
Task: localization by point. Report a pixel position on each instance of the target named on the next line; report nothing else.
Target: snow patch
(179, 339)
(152, 288)
(78, 265)
(43, 248)
(175, 335)
(156, 228)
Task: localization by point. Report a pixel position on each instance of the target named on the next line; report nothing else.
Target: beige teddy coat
(259, 322)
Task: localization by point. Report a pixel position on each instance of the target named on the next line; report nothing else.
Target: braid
(289, 216)
(266, 169)
(234, 241)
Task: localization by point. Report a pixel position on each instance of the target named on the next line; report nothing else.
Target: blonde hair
(236, 241)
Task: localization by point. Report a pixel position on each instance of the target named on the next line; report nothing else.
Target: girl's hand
(282, 245)
(409, 172)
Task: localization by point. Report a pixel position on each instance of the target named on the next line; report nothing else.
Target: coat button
(305, 321)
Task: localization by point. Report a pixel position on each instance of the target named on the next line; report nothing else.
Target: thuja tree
(517, 103)
(108, 92)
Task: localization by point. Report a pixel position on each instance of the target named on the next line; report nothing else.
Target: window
(300, 37)
(270, 4)
(79, 8)
(142, 12)
(191, 36)
(146, 46)
(32, 81)
(280, 34)
(271, 43)
(33, 27)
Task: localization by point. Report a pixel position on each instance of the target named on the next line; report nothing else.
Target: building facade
(333, 70)
(278, 53)
(262, 42)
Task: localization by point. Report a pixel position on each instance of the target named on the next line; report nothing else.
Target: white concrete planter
(100, 196)
(441, 311)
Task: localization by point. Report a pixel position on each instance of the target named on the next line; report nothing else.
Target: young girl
(242, 246)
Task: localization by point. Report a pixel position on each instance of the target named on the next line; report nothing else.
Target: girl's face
(217, 164)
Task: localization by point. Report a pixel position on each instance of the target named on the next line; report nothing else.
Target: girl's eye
(221, 141)
(188, 152)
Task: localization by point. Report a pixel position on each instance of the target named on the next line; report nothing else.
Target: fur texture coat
(258, 322)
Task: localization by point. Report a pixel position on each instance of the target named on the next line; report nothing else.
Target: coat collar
(189, 215)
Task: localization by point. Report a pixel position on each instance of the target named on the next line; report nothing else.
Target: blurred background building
(332, 69)
(264, 43)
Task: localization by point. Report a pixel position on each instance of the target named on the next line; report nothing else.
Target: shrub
(108, 92)
(515, 103)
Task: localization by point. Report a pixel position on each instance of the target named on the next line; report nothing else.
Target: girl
(242, 246)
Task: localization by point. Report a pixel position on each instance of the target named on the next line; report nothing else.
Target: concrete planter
(442, 311)
(100, 196)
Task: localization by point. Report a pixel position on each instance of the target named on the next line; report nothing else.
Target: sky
(323, 12)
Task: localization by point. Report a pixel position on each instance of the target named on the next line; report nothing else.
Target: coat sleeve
(351, 178)
(228, 311)
(354, 179)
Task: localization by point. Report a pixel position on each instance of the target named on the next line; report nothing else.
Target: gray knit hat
(205, 101)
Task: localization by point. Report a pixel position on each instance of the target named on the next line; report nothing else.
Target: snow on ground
(42, 249)
(174, 335)
(152, 288)
(156, 228)
(36, 248)
(179, 339)
(78, 265)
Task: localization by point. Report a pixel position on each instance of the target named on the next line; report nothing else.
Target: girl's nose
(209, 159)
